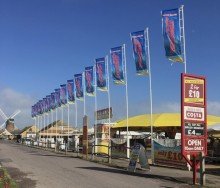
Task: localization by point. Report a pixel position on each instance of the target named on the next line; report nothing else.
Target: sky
(43, 43)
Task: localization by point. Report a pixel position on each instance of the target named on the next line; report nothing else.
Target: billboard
(89, 81)
(139, 52)
(171, 35)
(193, 115)
(101, 82)
(117, 65)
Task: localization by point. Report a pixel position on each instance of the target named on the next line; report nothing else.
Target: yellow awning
(159, 120)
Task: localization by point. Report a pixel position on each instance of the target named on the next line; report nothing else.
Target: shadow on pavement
(166, 178)
(51, 155)
(21, 178)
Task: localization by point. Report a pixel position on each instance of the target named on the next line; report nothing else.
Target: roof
(5, 132)
(26, 128)
(57, 123)
(159, 120)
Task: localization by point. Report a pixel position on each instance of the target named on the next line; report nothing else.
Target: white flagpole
(109, 104)
(56, 130)
(95, 127)
(68, 116)
(76, 109)
(151, 106)
(38, 124)
(42, 123)
(62, 117)
(84, 93)
(126, 95)
(45, 125)
(35, 123)
(52, 124)
(182, 30)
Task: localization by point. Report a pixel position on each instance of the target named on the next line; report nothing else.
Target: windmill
(8, 121)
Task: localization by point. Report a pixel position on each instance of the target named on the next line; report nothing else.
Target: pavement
(212, 173)
(183, 178)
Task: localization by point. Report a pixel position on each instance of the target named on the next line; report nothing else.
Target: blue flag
(117, 65)
(89, 81)
(171, 35)
(57, 98)
(63, 96)
(70, 91)
(139, 52)
(101, 74)
(79, 86)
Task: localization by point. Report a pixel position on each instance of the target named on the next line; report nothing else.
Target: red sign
(194, 145)
(85, 135)
(193, 115)
(194, 89)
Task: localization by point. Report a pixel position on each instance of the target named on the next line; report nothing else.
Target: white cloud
(169, 107)
(11, 101)
(214, 108)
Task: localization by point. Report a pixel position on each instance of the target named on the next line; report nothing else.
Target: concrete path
(32, 167)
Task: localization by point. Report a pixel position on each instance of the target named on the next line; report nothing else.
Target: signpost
(193, 119)
(85, 136)
(103, 114)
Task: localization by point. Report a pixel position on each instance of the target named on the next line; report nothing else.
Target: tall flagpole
(68, 119)
(41, 122)
(182, 29)
(56, 131)
(109, 104)
(62, 117)
(52, 123)
(44, 124)
(76, 113)
(126, 95)
(151, 106)
(35, 123)
(84, 93)
(38, 124)
(95, 127)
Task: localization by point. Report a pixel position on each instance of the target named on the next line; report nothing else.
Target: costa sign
(194, 113)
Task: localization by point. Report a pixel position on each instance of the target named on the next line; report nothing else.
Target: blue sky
(43, 43)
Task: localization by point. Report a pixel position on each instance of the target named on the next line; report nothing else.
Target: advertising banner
(170, 156)
(79, 86)
(103, 113)
(63, 96)
(32, 111)
(89, 81)
(49, 106)
(171, 35)
(101, 74)
(193, 115)
(118, 148)
(194, 91)
(70, 91)
(139, 52)
(53, 100)
(117, 65)
(57, 98)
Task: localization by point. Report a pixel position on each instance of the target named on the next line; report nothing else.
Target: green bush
(5, 179)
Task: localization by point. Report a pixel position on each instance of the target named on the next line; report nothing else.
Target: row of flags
(97, 75)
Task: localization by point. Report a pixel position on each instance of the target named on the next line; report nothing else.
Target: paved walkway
(182, 177)
(178, 175)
